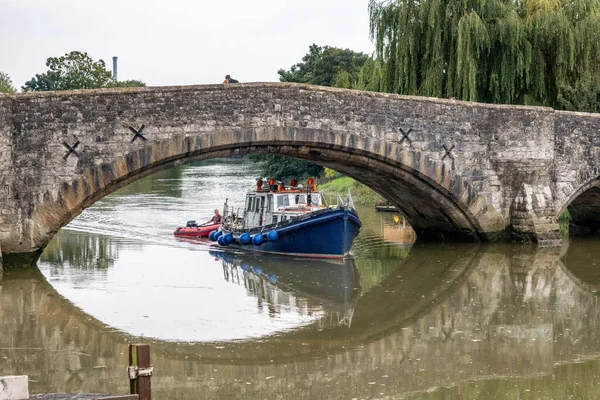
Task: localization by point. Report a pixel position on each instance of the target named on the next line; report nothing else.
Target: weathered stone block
(14, 388)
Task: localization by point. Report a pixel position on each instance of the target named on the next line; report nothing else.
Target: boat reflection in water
(326, 289)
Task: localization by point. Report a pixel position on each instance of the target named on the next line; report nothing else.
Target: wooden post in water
(140, 371)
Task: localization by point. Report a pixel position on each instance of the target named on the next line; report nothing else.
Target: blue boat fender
(258, 269)
(245, 266)
(220, 241)
(272, 278)
(245, 238)
(258, 239)
(273, 236)
(228, 239)
(212, 234)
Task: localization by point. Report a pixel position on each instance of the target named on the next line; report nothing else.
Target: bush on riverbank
(361, 194)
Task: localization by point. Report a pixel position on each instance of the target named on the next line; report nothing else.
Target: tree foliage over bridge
(75, 70)
(6, 85)
(326, 66)
(540, 52)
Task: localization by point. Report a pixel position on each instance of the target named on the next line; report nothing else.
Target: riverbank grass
(361, 194)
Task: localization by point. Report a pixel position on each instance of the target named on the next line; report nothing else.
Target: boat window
(283, 201)
(257, 205)
(274, 220)
(300, 199)
(249, 205)
(269, 203)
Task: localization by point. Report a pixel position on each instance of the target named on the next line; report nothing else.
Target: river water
(393, 321)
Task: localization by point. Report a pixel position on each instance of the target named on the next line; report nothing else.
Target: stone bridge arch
(445, 163)
(584, 208)
(405, 177)
(578, 170)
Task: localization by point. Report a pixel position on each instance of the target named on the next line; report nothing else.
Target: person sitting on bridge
(216, 219)
(229, 79)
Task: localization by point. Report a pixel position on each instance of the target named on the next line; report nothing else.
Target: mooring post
(140, 371)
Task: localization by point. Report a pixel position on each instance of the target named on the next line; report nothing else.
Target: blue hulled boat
(290, 220)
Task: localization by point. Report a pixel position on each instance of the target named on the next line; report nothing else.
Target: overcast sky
(178, 42)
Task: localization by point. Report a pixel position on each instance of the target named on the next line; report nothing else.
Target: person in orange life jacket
(229, 79)
(216, 219)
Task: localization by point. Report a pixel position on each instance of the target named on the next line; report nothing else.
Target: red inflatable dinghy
(193, 230)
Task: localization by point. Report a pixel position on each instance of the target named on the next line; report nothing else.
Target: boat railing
(336, 318)
(233, 216)
(350, 200)
(336, 200)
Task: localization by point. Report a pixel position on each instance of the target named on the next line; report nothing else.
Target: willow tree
(502, 51)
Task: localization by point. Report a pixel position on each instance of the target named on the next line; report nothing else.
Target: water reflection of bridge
(444, 317)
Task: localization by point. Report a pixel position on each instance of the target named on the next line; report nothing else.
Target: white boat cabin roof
(278, 203)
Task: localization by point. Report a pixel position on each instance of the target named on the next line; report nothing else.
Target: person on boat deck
(216, 219)
(229, 79)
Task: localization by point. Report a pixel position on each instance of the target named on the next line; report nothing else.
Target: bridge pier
(533, 216)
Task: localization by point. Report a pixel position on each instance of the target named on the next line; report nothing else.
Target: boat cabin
(279, 203)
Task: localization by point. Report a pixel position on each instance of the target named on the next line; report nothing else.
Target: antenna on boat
(350, 200)
(225, 209)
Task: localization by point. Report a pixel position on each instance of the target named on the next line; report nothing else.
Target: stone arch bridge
(456, 169)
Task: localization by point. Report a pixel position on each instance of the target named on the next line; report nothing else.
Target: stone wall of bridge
(578, 168)
(454, 168)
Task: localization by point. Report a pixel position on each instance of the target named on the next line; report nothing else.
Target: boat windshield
(283, 201)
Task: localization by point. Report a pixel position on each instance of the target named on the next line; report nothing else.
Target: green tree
(331, 174)
(5, 83)
(530, 51)
(75, 70)
(321, 65)
(127, 83)
(281, 168)
(342, 80)
(583, 96)
(371, 76)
